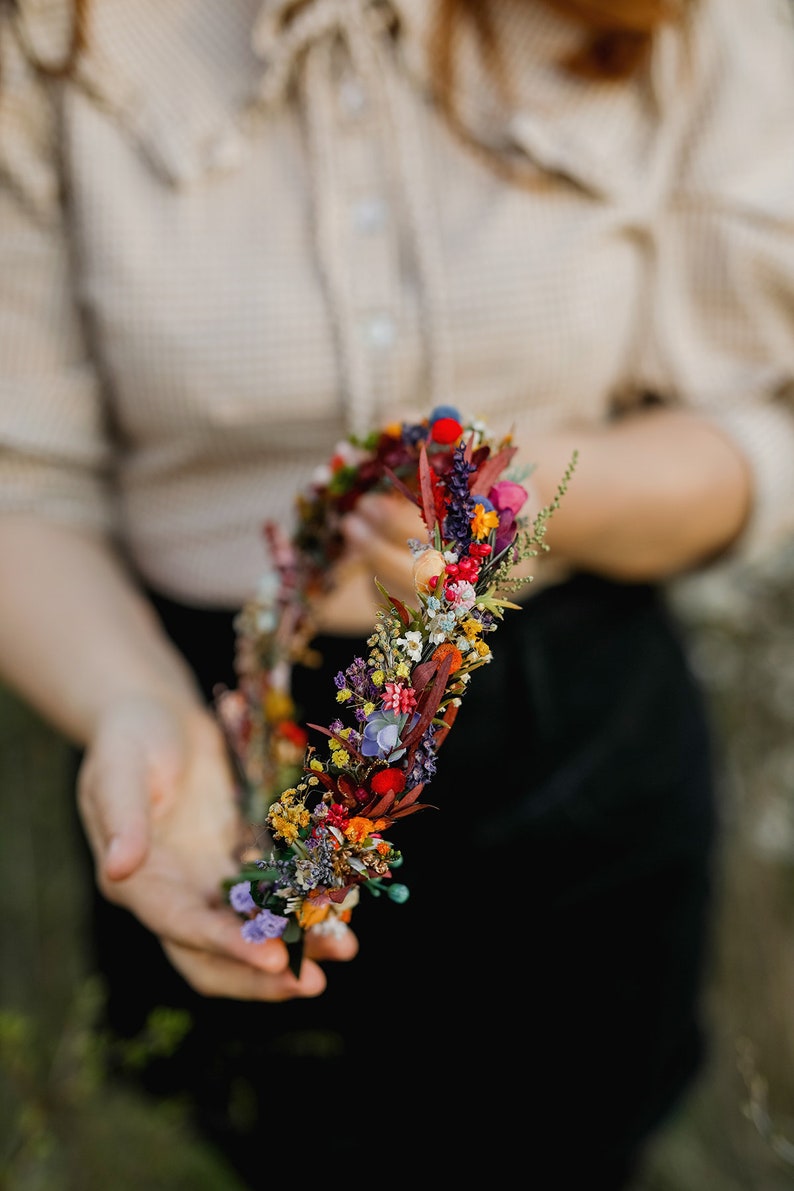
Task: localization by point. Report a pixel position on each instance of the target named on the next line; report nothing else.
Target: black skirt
(540, 992)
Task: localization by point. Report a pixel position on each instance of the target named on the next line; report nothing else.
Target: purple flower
(266, 925)
(508, 499)
(240, 897)
(461, 506)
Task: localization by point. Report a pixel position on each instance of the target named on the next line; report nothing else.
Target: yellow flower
(368, 708)
(343, 695)
(472, 628)
(281, 827)
(482, 523)
(316, 765)
(482, 648)
(378, 678)
(278, 706)
(402, 670)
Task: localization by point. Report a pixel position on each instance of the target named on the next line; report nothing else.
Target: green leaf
(293, 937)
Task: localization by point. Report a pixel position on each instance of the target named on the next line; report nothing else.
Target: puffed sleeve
(54, 449)
(720, 320)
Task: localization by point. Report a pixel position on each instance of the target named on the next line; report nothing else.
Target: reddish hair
(616, 40)
(617, 34)
(77, 41)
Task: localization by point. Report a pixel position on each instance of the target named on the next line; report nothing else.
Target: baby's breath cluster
(326, 814)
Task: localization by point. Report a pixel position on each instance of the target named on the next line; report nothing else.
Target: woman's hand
(377, 535)
(157, 801)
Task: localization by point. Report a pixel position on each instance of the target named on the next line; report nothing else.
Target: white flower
(412, 644)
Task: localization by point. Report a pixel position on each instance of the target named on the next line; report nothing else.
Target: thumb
(126, 825)
(114, 806)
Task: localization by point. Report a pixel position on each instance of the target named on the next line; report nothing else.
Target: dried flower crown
(325, 815)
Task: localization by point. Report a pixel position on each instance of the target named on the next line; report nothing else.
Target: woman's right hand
(157, 801)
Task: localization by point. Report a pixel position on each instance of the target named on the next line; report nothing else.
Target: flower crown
(326, 814)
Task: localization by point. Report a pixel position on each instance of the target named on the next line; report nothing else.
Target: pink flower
(507, 496)
(397, 697)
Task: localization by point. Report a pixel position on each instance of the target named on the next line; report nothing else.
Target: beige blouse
(243, 230)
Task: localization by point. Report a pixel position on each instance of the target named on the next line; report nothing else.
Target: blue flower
(381, 736)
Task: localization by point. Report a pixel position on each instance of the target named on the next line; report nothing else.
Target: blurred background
(66, 1123)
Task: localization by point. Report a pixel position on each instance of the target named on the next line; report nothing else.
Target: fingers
(220, 976)
(253, 971)
(342, 944)
(205, 943)
(388, 516)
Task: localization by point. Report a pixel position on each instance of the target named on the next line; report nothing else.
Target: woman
(230, 235)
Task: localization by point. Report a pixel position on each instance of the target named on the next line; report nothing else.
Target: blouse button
(352, 99)
(380, 330)
(369, 214)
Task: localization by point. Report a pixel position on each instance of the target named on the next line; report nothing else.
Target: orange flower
(358, 829)
(310, 914)
(444, 650)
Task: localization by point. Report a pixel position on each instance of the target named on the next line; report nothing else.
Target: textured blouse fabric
(242, 230)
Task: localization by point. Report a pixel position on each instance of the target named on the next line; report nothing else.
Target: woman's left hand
(377, 534)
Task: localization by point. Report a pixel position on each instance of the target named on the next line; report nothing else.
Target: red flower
(293, 732)
(387, 781)
(446, 430)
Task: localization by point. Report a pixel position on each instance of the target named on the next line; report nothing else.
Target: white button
(352, 99)
(369, 214)
(380, 330)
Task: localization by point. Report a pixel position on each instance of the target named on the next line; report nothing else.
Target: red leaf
(346, 787)
(411, 796)
(335, 736)
(429, 704)
(401, 609)
(400, 486)
(376, 810)
(486, 476)
(325, 778)
(410, 810)
(449, 719)
(422, 674)
(428, 504)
